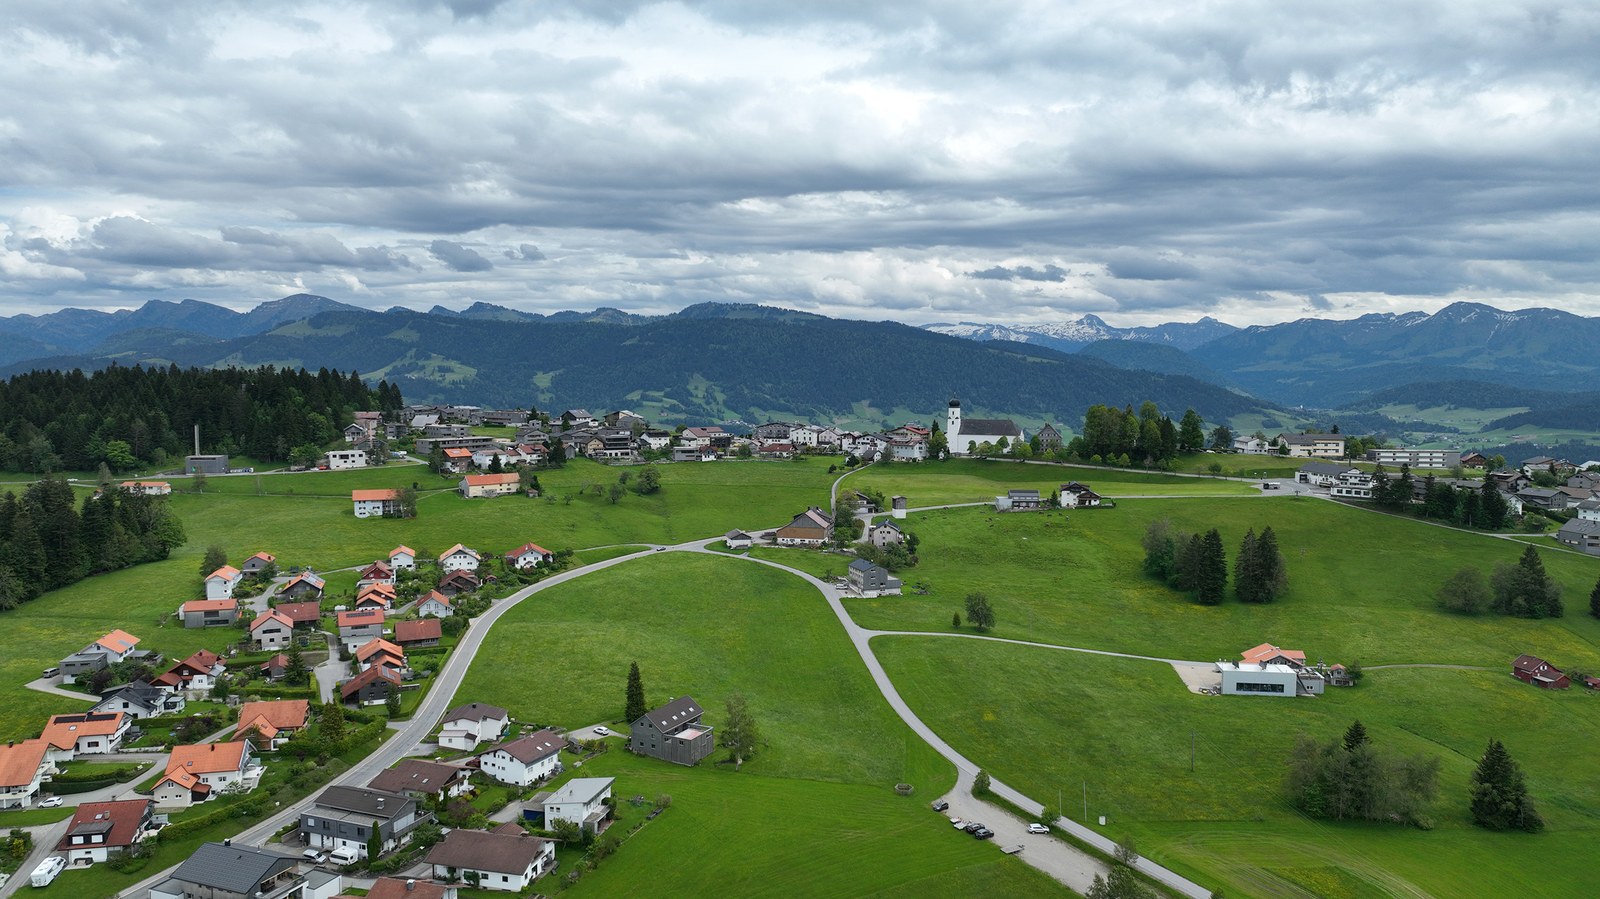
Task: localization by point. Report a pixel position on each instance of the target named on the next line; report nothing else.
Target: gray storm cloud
(938, 160)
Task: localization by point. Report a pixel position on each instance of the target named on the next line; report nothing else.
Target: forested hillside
(46, 543)
(130, 417)
(712, 363)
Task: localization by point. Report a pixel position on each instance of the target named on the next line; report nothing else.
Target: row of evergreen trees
(46, 542)
(132, 417)
(1198, 565)
(1484, 508)
(1148, 436)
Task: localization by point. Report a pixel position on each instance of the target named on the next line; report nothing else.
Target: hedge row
(254, 805)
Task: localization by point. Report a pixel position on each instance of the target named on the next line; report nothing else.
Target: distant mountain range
(715, 362)
(737, 362)
(1071, 336)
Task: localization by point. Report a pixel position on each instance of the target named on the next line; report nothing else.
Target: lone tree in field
(1594, 600)
(215, 558)
(1355, 736)
(1500, 795)
(636, 707)
(979, 613)
(739, 731)
(649, 480)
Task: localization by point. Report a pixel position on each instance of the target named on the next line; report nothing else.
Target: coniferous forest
(133, 417)
(47, 542)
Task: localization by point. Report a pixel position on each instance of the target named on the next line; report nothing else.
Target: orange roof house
(119, 642)
(275, 717)
(1267, 654)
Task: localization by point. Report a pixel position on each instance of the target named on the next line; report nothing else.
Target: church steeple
(952, 425)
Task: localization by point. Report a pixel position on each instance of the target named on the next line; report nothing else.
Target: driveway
(51, 685)
(332, 670)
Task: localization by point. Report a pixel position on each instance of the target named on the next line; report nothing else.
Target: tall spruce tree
(635, 702)
(1355, 736)
(1273, 573)
(1247, 569)
(1186, 565)
(1500, 793)
(1212, 578)
(1493, 506)
(1191, 432)
(1594, 600)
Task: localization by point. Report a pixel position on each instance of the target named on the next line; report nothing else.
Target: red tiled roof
(274, 715)
(373, 495)
(360, 617)
(376, 672)
(421, 629)
(271, 615)
(301, 612)
(124, 817)
(226, 572)
(208, 605)
(526, 548)
(490, 480)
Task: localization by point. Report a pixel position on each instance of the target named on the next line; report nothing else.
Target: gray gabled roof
(990, 427)
(675, 713)
(235, 869)
(1579, 527)
(862, 565)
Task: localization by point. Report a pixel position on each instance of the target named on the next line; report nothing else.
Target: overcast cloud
(1029, 162)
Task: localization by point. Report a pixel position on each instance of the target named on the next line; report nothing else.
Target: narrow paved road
(1072, 858)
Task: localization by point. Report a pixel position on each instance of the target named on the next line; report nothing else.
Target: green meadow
(814, 812)
(1054, 723)
(979, 480)
(1361, 585)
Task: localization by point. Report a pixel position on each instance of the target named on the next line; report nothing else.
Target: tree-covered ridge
(131, 417)
(46, 543)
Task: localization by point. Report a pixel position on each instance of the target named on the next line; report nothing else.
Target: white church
(965, 436)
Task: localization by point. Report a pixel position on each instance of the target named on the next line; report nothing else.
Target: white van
(344, 855)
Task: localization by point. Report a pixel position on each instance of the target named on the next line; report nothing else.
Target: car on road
(941, 806)
(1036, 827)
(983, 833)
(314, 856)
(958, 823)
(602, 731)
(52, 802)
(52, 672)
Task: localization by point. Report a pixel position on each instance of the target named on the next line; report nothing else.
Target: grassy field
(1361, 585)
(817, 797)
(975, 480)
(1227, 823)
(755, 835)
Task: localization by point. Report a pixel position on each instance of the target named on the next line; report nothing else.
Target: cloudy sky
(932, 161)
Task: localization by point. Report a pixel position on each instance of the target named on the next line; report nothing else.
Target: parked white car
(1036, 827)
(50, 802)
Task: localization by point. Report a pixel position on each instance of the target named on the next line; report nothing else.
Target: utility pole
(1191, 752)
(1086, 803)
